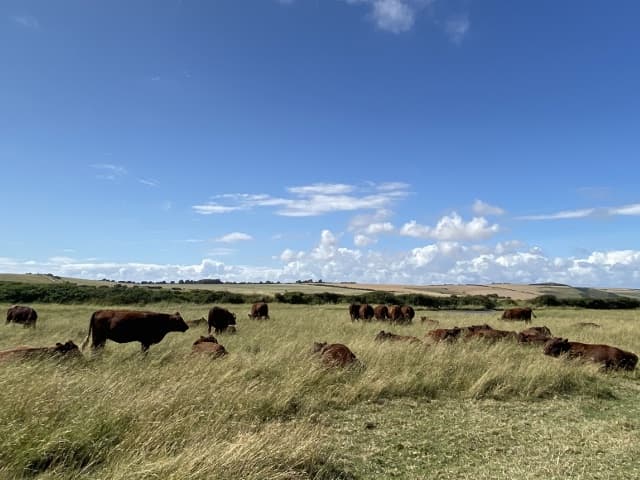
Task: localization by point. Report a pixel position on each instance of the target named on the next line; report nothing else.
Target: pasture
(269, 410)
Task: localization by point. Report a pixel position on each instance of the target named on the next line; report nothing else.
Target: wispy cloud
(457, 28)
(483, 208)
(395, 16)
(452, 228)
(26, 21)
(234, 237)
(150, 182)
(109, 171)
(565, 214)
(633, 209)
(309, 200)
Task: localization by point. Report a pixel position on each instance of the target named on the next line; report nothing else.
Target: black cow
(220, 319)
(27, 316)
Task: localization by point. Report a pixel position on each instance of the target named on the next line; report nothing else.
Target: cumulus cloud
(396, 16)
(485, 209)
(434, 263)
(310, 200)
(452, 228)
(360, 240)
(234, 237)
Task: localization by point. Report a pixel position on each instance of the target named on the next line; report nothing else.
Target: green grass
(268, 410)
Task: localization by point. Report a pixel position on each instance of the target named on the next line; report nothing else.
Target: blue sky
(404, 141)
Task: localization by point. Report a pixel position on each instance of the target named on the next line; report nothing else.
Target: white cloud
(234, 237)
(457, 28)
(26, 21)
(452, 228)
(211, 208)
(109, 171)
(150, 182)
(633, 209)
(360, 240)
(378, 228)
(396, 16)
(437, 263)
(310, 200)
(566, 214)
(483, 208)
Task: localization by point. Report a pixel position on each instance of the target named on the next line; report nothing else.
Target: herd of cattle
(148, 328)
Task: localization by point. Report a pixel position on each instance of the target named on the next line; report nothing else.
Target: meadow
(269, 410)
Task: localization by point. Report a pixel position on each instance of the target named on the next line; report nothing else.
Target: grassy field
(268, 410)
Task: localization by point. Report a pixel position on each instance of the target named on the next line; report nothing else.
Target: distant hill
(509, 290)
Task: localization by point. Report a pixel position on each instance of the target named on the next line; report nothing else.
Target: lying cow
(444, 334)
(123, 326)
(334, 354)
(220, 319)
(209, 345)
(384, 336)
(27, 316)
(492, 335)
(67, 349)
(535, 335)
(609, 357)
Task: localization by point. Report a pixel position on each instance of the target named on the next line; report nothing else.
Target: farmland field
(268, 410)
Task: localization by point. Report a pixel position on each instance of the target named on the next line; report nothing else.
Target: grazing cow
(518, 314)
(259, 310)
(354, 311)
(209, 345)
(25, 315)
(407, 313)
(383, 336)
(395, 314)
(586, 324)
(123, 326)
(609, 357)
(67, 349)
(334, 354)
(366, 312)
(381, 312)
(444, 334)
(220, 319)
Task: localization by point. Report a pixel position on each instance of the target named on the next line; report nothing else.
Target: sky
(378, 141)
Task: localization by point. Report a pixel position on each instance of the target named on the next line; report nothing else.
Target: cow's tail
(86, 340)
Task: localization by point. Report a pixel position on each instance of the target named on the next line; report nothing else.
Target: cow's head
(556, 346)
(318, 346)
(179, 325)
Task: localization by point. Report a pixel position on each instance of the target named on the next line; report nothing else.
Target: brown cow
(366, 312)
(518, 314)
(27, 316)
(67, 349)
(123, 326)
(492, 335)
(381, 312)
(383, 336)
(259, 310)
(609, 357)
(220, 319)
(407, 313)
(209, 345)
(395, 314)
(536, 335)
(354, 311)
(444, 334)
(335, 354)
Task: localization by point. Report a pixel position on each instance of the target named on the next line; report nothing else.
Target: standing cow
(123, 326)
(395, 314)
(354, 311)
(27, 316)
(381, 312)
(366, 312)
(518, 314)
(407, 313)
(259, 310)
(220, 319)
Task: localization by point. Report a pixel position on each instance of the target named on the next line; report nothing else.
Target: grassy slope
(515, 291)
(268, 411)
